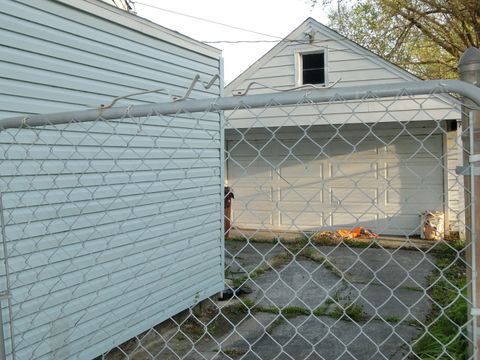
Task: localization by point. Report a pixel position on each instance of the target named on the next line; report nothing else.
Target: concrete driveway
(328, 302)
(298, 301)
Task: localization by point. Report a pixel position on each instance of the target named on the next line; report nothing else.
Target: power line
(243, 41)
(278, 38)
(207, 20)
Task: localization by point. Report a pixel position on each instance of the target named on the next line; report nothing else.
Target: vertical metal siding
(102, 249)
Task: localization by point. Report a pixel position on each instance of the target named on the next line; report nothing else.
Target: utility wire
(207, 20)
(278, 38)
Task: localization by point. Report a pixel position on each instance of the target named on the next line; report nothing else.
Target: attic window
(311, 68)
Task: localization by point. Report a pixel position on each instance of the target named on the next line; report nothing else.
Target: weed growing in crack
(273, 263)
(277, 322)
(321, 310)
(392, 319)
(234, 352)
(351, 312)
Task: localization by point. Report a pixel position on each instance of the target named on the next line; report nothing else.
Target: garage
(380, 176)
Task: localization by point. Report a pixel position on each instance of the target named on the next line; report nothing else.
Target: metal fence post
(469, 71)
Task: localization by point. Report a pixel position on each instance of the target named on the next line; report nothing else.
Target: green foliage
(277, 322)
(273, 263)
(294, 311)
(392, 319)
(234, 352)
(425, 37)
(350, 312)
(287, 312)
(446, 333)
(321, 310)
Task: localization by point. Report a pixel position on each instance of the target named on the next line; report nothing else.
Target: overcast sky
(276, 18)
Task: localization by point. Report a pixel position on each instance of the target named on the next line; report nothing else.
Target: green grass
(234, 352)
(446, 334)
(277, 322)
(412, 288)
(351, 312)
(267, 309)
(273, 263)
(294, 311)
(392, 319)
(287, 312)
(248, 302)
(321, 310)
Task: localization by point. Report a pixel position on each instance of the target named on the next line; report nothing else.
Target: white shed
(110, 228)
(323, 166)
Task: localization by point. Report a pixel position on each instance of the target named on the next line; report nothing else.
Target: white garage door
(328, 181)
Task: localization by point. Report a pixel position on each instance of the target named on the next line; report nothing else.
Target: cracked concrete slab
(385, 287)
(242, 257)
(388, 286)
(299, 283)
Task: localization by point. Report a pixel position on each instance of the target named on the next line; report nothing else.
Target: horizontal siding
(77, 214)
(415, 108)
(344, 65)
(56, 63)
(111, 226)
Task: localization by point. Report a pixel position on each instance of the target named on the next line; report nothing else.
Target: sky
(271, 19)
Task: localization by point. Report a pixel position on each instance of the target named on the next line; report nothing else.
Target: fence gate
(348, 227)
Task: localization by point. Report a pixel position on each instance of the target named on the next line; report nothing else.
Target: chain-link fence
(347, 228)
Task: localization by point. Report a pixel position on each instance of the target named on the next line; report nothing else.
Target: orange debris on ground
(356, 233)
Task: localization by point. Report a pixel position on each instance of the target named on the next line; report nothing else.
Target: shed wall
(100, 216)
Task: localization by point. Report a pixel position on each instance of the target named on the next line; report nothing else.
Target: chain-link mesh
(346, 227)
(99, 217)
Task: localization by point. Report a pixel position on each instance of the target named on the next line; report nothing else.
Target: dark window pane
(313, 68)
(312, 61)
(314, 76)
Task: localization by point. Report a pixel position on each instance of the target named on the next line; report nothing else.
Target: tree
(426, 37)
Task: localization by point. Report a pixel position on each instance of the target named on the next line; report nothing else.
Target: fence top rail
(252, 101)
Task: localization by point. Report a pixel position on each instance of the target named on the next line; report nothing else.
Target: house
(99, 216)
(377, 163)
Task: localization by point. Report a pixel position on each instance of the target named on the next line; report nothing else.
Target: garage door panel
(340, 219)
(245, 172)
(416, 172)
(252, 219)
(306, 147)
(256, 193)
(308, 169)
(350, 147)
(427, 197)
(316, 207)
(400, 224)
(297, 183)
(293, 219)
(301, 194)
(353, 170)
(353, 196)
(383, 187)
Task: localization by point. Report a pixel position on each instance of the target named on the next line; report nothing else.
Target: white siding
(456, 213)
(56, 58)
(347, 65)
(106, 241)
(346, 62)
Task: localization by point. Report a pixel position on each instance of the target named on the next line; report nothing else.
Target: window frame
(299, 65)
